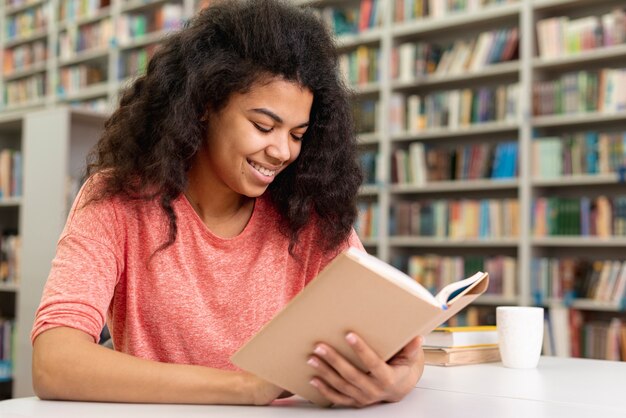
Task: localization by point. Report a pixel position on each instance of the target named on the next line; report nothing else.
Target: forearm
(68, 365)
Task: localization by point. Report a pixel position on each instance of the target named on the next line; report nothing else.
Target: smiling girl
(223, 183)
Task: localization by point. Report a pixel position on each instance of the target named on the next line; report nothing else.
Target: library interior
(491, 134)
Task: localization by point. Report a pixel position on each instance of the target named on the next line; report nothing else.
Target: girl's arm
(68, 365)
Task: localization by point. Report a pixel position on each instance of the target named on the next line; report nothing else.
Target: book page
(453, 289)
(394, 275)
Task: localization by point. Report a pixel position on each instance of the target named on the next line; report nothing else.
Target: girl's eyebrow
(275, 117)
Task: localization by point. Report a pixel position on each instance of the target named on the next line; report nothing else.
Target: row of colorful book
(10, 173)
(361, 66)
(456, 219)
(10, 255)
(76, 77)
(434, 271)
(94, 36)
(422, 164)
(130, 26)
(581, 92)
(411, 61)
(567, 279)
(601, 216)
(7, 344)
(27, 22)
(370, 163)
(562, 35)
(367, 221)
(579, 153)
(406, 10)
(25, 90)
(354, 18)
(453, 109)
(573, 333)
(135, 61)
(72, 10)
(23, 57)
(366, 114)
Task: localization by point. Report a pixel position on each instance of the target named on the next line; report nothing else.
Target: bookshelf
(401, 88)
(79, 53)
(54, 144)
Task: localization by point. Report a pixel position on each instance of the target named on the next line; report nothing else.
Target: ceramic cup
(520, 335)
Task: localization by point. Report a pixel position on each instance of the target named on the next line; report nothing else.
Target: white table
(570, 388)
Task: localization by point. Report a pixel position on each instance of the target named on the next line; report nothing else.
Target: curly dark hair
(225, 49)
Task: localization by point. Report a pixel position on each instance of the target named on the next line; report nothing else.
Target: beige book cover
(355, 292)
(459, 356)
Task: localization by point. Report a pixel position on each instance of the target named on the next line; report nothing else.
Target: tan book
(355, 292)
(458, 356)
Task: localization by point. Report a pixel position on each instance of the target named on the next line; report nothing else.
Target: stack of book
(453, 346)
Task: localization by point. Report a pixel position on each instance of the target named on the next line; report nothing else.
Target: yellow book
(462, 336)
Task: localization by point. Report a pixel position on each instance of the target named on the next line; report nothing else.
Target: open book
(355, 292)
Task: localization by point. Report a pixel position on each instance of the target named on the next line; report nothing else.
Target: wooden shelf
(32, 70)
(456, 186)
(35, 36)
(13, 10)
(397, 241)
(88, 92)
(488, 72)
(578, 241)
(471, 130)
(9, 287)
(577, 180)
(584, 58)
(84, 56)
(101, 14)
(371, 36)
(425, 26)
(9, 202)
(369, 190)
(577, 119)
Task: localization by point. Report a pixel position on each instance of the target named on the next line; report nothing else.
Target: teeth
(262, 170)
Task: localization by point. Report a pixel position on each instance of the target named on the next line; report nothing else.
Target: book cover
(462, 336)
(355, 292)
(461, 356)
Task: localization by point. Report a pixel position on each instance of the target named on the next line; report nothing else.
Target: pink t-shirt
(196, 302)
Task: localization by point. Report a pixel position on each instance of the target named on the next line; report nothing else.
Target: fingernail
(351, 338)
(421, 340)
(312, 362)
(319, 350)
(314, 383)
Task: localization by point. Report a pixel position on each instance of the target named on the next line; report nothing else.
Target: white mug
(520, 335)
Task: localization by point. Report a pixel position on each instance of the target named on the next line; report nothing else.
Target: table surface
(571, 388)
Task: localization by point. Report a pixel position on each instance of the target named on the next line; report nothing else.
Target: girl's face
(256, 136)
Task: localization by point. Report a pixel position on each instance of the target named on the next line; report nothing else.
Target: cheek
(294, 150)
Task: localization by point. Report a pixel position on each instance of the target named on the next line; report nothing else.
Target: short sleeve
(352, 241)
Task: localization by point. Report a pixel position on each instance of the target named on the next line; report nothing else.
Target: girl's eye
(261, 128)
(297, 137)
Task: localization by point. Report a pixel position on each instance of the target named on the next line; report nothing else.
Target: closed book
(462, 336)
(459, 356)
(355, 292)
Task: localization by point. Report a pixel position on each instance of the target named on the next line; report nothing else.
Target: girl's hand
(344, 384)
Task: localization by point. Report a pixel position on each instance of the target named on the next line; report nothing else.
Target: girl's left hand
(344, 384)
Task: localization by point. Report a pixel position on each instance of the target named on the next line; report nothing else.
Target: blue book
(591, 145)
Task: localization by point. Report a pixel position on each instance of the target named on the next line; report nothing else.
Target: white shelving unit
(526, 71)
(107, 90)
(54, 144)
